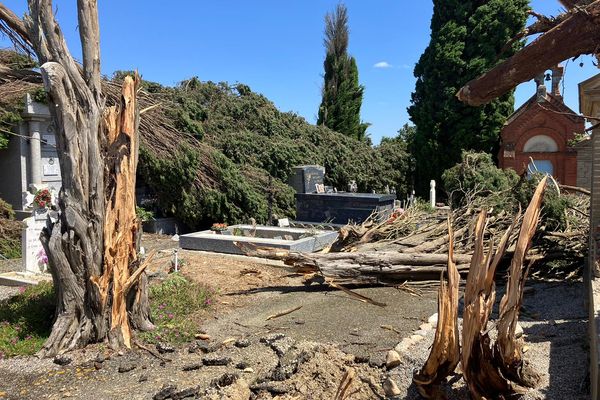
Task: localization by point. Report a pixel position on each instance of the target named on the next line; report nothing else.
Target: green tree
(467, 39)
(342, 94)
(398, 162)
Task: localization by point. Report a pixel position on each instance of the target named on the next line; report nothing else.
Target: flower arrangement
(218, 227)
(43, 198)
(395, 215)
(42, 259)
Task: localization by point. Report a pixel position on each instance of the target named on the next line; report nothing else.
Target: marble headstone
(34, 259)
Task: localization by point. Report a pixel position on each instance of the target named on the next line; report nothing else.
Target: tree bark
(364, 268)
(508, 346)
(445, 351)
(98, 279)
(482, 376)
(577, 34)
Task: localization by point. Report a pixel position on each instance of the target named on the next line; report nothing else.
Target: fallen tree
(571, 34)
(559, 245)
(363, 268)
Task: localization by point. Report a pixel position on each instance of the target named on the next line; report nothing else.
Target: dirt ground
(302, 355)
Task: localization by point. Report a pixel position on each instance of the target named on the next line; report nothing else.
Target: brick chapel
(540, 130)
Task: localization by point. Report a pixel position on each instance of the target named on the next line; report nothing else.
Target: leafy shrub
(10, 232)
(477, 176)
(476, 181)
(143, 214)
(174, 305)
(26, 320)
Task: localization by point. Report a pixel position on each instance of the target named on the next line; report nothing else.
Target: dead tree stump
(445, 351)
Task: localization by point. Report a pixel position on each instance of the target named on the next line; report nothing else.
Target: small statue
(353, 187)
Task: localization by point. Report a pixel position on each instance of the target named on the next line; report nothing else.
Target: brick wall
(534, 119)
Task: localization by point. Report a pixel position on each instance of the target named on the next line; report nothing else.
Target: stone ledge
(23, 279)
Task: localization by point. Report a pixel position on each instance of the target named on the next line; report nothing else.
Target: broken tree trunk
(363, 268)
(575, 34)
(509, 348)
(483, 378)
(445, 351)
(99, 282)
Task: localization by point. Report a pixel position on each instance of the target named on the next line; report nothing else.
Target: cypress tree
(341, 94)
(467, 38)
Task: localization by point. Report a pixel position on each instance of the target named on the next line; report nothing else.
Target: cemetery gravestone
(305, 178)
(34, 257)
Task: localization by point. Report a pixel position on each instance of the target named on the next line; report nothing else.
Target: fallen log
(576, 34)
(363, 268)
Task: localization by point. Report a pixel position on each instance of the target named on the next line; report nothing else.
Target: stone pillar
(595, 201)
(432, 193)
(35, 152)
(589, 104)
(595, 204)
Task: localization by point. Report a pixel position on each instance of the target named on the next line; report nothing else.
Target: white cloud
(382, 64)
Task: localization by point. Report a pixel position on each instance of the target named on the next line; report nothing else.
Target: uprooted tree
(100, 284)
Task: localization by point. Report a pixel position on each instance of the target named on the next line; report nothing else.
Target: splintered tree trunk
(91, 246)
(481, 375)
(509, 347)
(497, 370)
(445, 352)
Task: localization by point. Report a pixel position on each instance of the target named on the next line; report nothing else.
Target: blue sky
(276, 47)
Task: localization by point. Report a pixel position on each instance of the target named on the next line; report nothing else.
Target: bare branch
(15, 29)
(89, 33)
